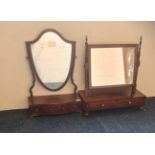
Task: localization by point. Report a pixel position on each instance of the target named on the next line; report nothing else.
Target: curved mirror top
(52, 59)
(112, 66)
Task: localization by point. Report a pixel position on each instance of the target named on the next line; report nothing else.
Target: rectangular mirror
(112, 66)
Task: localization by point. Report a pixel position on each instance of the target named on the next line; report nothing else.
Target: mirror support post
(31, 88)
(32, 71)
(86, 66)
(72, 72)
(137, 66)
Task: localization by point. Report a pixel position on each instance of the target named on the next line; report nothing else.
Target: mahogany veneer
(52, 105)
(98, 102)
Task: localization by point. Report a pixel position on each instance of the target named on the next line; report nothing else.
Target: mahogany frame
(126, 89)
(33, 69)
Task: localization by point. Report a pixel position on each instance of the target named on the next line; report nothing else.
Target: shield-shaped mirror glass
(52, 59)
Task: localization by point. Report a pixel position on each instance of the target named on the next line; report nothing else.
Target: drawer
(47, 110)
(53, 109)
(97, 105)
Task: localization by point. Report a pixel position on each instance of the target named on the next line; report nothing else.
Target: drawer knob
(36, 109)
(102, 105)
(50, 109)
(63, 108)
(130, 102)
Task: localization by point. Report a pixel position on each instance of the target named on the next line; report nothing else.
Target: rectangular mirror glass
(112, 66)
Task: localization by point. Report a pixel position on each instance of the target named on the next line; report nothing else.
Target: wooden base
(53, 105)
(61, 104)
(98, 102)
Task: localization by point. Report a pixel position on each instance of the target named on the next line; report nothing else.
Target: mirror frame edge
(88, 89)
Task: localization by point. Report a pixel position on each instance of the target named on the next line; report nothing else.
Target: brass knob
(36, 109)
(130, 102)
(50, 109)
(102, 105)
(63, 108)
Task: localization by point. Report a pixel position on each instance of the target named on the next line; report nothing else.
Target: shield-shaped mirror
(51, 59)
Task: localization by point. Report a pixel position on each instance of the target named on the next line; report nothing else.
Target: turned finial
(140, 42)
(86, 40)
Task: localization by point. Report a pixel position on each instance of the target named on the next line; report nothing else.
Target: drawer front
(134, 102)
(41, 110)
(54, 109)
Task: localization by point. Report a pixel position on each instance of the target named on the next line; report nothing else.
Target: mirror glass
(112, 66)
(52, 58)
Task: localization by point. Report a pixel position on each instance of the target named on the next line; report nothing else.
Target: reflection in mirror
(52, 59)
(112, 66)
